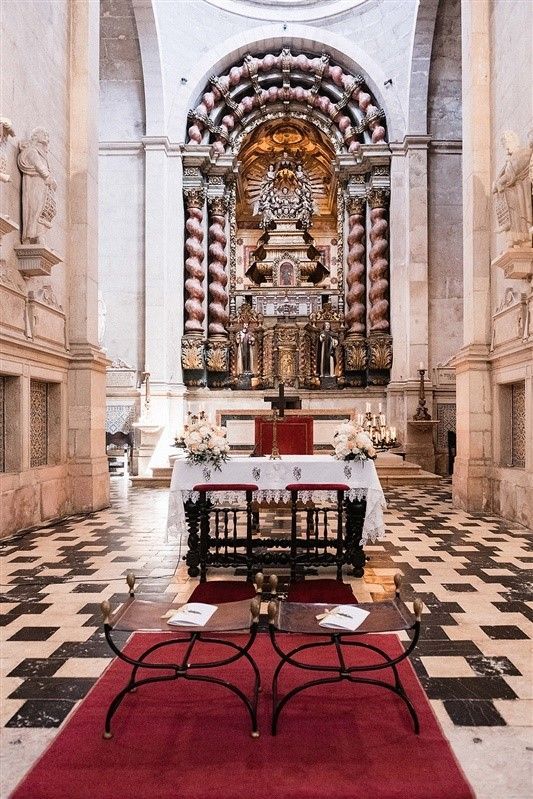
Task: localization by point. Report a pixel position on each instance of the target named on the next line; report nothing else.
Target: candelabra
(375, 425)
(422, 414)
(274, 455)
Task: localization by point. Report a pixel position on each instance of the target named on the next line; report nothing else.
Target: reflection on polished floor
(472, 572)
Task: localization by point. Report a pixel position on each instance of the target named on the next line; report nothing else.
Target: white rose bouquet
(351, 443)
(205, 442)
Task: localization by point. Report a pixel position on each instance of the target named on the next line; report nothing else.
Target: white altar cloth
(271, 476)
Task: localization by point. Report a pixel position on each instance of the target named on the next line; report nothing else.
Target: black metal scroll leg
(204, 535)
(249, 533)
(294, 525)
(355, 518)
(192, 558)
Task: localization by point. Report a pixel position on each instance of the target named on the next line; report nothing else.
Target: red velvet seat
(225, 487)
(317, 487)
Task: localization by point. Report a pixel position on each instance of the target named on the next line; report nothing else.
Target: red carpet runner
(192, 741)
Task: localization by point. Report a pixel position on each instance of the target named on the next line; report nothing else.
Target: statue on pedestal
(38, 187)
(245, 350)
(512, 190)
(327, 352)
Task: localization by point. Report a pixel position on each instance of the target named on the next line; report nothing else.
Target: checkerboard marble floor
(474, 574)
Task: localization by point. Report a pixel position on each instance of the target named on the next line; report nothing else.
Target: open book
(343, 617)
(193, 614)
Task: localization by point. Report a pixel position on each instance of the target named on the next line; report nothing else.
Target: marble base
(420, 445)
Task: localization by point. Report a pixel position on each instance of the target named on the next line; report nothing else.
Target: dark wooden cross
(281, 402)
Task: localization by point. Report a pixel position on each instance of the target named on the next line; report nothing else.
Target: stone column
(471, 477)
(380, 341)
(86, 378)
(192, 359)
(217, 355)
(355, 348)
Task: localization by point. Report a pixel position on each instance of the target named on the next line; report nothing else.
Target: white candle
(393, 433)
(382, 419)
(421, 366)
(379, 407)
(368, 407)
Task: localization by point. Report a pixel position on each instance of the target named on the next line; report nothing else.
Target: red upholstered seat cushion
(225, 487)
(217, 592)
(317, 487)
(323, 590)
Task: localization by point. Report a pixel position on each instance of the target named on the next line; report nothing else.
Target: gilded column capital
(194, 198)
(218, 205)
(356, 205)
(378, 197)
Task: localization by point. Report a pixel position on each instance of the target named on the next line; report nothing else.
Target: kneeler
(327, 590)
(217, 592)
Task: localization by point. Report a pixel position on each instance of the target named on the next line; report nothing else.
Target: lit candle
(393, 433)
(421, 366)
(382, 419)
(379, 407)
(368, 407)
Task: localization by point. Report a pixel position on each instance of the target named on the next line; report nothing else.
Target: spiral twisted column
(379, 265)
(194, 289)
(218, 296)
(355, 279)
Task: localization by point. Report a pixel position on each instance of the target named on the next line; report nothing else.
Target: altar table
(365, 500)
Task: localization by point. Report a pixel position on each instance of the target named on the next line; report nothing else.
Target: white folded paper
(343, 617)
(194, 614)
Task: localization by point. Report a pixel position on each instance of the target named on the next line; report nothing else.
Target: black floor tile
(473, 713)
(72, 688)
(41, 713)
(501, 632)
(33, 634)
(36, 667)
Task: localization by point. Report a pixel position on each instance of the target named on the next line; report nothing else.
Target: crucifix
(282, 403)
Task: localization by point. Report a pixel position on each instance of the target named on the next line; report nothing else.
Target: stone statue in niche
(512, 190)
(38, 187)
(327, 352)
(245, 350)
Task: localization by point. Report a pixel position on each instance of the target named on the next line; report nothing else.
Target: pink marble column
(218, 296)
(194, 284)
(355, 279)
(379, 265)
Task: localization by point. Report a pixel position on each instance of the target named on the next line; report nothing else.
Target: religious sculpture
(285, 194)
(327, 352)
(512, 190)
(6, 130)
(245, 350)
(38, 186)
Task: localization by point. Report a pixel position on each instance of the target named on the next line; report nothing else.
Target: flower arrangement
(204, 442)
(351, 443)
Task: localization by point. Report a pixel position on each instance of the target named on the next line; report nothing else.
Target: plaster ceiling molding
(272, 85)
(288, 10)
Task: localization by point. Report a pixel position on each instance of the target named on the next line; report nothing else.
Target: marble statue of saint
(327, 356)
(245, 350)
(512, 190)
(38, 186)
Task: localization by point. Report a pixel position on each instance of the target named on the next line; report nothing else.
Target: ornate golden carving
(327, 314)
(355, 355)
(192, 354)
(217, 356)
(380, 352)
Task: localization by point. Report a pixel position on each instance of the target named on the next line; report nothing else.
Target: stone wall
(46, 321)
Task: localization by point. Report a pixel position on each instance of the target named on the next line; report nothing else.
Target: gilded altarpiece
(286, 195)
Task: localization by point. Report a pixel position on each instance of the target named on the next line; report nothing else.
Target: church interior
(304, 232)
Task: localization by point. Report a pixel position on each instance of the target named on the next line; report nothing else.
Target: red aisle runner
(184, 740)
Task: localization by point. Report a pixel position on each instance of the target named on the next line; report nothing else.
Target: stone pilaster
(471, 483)
(86, 377)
